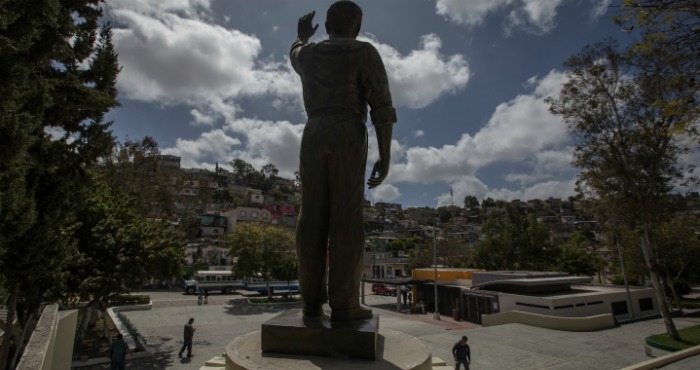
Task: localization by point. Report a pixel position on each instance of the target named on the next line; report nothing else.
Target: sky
(211, 81)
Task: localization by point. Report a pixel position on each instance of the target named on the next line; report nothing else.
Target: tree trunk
(22, 342)
(84, 325)
(105, 324)
(269, 291)
(660, 296)
(676, 299)
(9, 336)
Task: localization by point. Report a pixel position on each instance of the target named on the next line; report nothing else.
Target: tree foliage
(58, 71)
(669, 47)
(515, 240)
(117, 249)
(260, 250)
(627, 141)
(471, 203)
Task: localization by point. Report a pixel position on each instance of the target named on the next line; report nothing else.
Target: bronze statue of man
(341, 77)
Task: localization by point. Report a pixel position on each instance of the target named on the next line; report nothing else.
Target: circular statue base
(395, 351)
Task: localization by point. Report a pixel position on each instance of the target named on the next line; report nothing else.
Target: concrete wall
(590, 323)
(51, 343)
(578, 305)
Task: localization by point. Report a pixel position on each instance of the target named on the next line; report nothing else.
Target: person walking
(117, 353)
(462, 354)
(189, 334)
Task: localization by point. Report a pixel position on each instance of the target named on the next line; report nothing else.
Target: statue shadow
(243, 307)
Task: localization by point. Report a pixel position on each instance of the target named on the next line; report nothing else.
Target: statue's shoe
(356, 313)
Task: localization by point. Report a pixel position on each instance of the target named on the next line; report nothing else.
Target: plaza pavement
(512, 346)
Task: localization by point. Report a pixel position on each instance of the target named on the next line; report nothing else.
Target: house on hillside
(246, 214)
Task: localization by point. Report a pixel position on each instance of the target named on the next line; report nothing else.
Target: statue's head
(343, 19)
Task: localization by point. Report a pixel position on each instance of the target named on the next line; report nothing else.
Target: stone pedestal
(395, 350)
(291, 333)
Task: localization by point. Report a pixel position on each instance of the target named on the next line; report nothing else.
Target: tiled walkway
(512, 346)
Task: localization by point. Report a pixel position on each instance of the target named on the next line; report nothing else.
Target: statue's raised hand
(305, 27)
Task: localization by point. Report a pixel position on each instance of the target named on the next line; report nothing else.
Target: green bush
(620, 280)
(127, 299)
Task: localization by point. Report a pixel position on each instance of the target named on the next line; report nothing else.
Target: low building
(469, 294)
(552, 294)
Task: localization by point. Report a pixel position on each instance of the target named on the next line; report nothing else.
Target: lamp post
(436, 315)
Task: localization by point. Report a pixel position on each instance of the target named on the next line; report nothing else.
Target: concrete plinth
(291, 333)
(395, 351)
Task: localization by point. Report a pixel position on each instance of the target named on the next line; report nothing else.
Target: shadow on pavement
(164, 352)
(243, 307)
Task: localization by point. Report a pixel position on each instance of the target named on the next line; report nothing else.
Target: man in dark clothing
(340, 77)
(117, 353)
(189, 334)
(462, 354)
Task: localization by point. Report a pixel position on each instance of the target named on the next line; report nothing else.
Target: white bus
(225, 282)
(222, 281)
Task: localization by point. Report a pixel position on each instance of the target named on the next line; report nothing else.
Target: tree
(243, 171)
(287, 269)
(488, 202)
(515, 240)
(444, 214)
(670, 43)
(471, 203)
(132, 168)
(58, 71)
(626, 144)
(118, 249)
(260, 249)
(407, 245)
(680, 253)
(575, 259)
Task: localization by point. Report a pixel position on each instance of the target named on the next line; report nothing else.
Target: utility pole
(436, 315)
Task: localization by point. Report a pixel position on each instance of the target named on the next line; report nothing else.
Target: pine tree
(59, 69)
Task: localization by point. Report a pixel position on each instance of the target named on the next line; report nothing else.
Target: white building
(552, 294)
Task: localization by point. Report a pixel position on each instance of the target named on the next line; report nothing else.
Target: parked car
(381, 288)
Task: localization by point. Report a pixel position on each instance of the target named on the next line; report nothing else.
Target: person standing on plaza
(117, 353)
(188, 336)
(462, 353)
(341, 77)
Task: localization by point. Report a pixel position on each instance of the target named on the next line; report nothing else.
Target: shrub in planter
(125, 300)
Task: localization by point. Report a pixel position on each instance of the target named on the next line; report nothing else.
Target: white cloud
(385, 193)
(517, 130)
(424, 75)
(172, 59)
(467, 185)
(171, 53)
(472, 186)
(600, 8)
(544, 190)
(201, 118)
(545, 166)
(214, 145)
(418, 133)
(254, 141)
(185, 8)
(276, 142)
(469, 13)
(534, 16)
